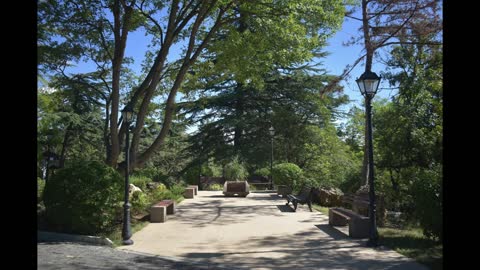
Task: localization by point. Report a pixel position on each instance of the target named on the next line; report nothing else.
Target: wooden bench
(159, 211)
(356, 218)
(305, 196)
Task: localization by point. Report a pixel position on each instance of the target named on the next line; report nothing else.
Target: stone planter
(284, 190)
(239, 188)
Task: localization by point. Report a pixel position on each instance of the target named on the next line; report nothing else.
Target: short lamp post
(271, 130)
(127, 113)
(368, 84)
(49, 139)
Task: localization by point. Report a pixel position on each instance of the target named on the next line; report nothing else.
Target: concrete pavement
(259, 232)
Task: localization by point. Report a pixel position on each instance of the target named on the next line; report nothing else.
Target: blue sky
(340, 56)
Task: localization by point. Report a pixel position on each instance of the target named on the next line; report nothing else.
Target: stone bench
(189, 193)
(195, 187)
(358, 225)
(159, 211)
(232, 188)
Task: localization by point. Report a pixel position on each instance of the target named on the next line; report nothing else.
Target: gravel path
(62, 255)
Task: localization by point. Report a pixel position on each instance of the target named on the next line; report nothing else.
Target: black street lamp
(272, 133)
(49, 138)
(368, 84)
(48, 155)
(127, 113)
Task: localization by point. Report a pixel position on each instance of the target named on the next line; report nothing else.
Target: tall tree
(290, 102)
(387, 23)
(98, 30)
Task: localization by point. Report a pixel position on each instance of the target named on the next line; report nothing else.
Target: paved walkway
(259, 232)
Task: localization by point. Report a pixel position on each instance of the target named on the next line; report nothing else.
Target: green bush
(140, 181)
(235, 171)
(82, 197)
(288, 174)
(177, 189)
(40, 188)
(139, 202)
(148, 172)
(158, 195)
(214, 187)
(265, 172)
(192, 175)
(427, 195)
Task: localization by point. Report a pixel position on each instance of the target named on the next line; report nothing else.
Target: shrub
(214, 187)
(139, 202)
(427, 195)
(192, 175)
(149, 172)
(265, 172)
(40, 188)
(177, 189)
(82, 197)
(235, 171)
(140, 181)
(166, 194)
(288, 174)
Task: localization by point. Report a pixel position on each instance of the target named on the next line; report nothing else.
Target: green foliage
(352, 182)
(40, 189)
(177, 190)
(288, 174)
(427, 193)
(214, 187)
(150, 172)
(162, 193)
(82, 197)
(211, 169)
(208, 168)
(192, 175)
(235, 171)
(326, 159)
(408, 136)
(265, 172)
(139, 201)
(411, 243)
(140, 181)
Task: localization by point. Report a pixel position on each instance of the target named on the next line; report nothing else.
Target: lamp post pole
(126, 230)
(49, 141)
(368, 84)
(272, 133)
(373, 240)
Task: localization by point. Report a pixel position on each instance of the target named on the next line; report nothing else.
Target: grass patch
(320, 208)
(409, 242)
(136, 225)
(116, 235)
(412, 243)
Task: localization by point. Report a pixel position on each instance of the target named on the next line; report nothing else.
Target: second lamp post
(272, 133)
(368, 84)
(127, 113)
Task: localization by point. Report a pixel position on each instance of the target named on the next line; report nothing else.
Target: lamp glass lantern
(272, 131)
(368, 83)
(127, 113)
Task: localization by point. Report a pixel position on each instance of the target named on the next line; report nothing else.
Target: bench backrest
(354, 199)
(305, 193)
